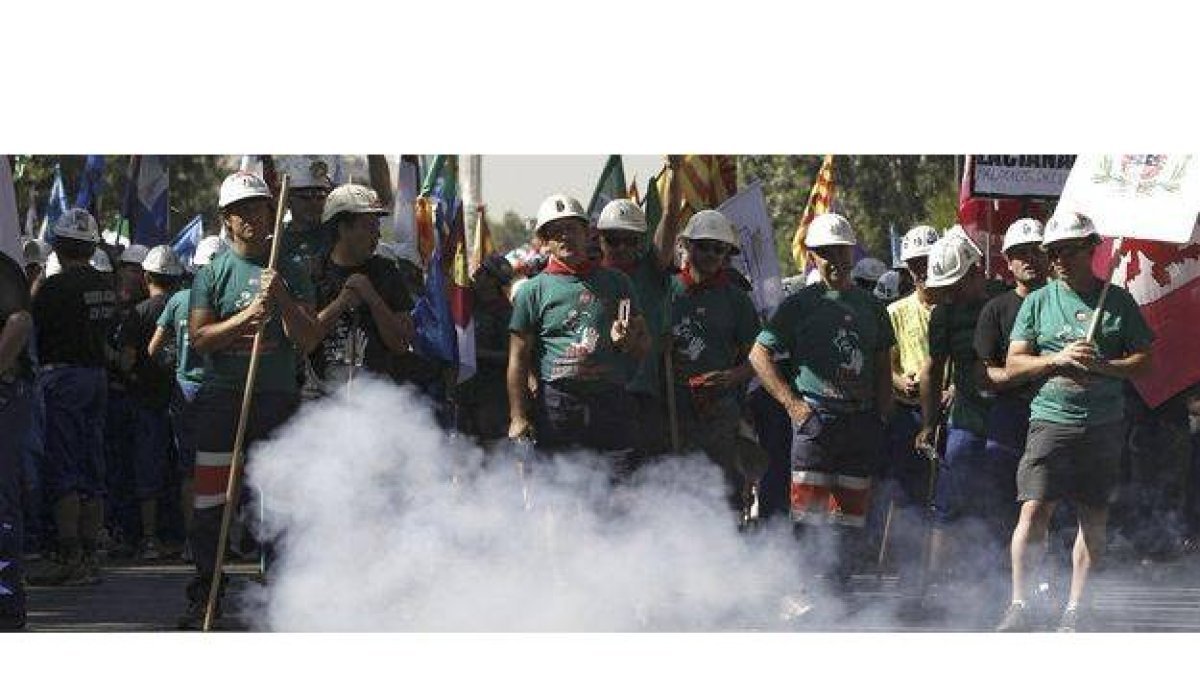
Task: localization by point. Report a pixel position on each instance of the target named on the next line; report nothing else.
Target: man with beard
(231, 297)
(1076, 427)
(361, 298)
(583, 325)
(838, 391)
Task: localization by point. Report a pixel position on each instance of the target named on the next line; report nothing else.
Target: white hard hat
(53, 266)
(306, 171)
(887, 288)
(134, 254)
(869, 269)
(207, 249)
(162, 260)
(950, 258)
(713, 225)
(33, 252)
(1070, 225)
(242, 185)
(622, 214)
(557, 207)
(100, 261)
(1024, 231)
(916, 242)
(814, 276)
(77, 224)
(829, 229)
(351, 198)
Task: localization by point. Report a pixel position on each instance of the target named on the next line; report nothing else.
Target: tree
(872, 191)
(511, 232)
(194, 181)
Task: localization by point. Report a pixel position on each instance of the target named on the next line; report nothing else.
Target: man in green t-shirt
(622, 227)
(1076, 428)
(581, 326)
(713, 326)
(231, 298)
(838, 390)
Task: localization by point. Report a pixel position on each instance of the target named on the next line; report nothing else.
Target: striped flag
(482, 246)
(707, 182)
(819, 201)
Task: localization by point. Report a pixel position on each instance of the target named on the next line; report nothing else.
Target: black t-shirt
(73, 312)
(14, 297)
(355, 334)
(992, 337)
(149, 381)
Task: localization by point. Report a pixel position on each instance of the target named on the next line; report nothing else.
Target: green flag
(653, 206)
(610, 186)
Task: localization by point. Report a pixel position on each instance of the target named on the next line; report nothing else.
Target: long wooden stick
(235, 469)
(1113, 263)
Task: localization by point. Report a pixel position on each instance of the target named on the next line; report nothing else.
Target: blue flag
(434, 324)
(146, 193)
(91, 183)
(188, 238)
(56, 205)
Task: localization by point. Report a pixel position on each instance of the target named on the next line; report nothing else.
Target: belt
(839, 407)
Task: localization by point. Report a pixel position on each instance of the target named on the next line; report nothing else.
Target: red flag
(987, 219)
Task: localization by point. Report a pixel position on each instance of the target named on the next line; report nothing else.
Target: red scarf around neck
(583, 269)
(693, 286)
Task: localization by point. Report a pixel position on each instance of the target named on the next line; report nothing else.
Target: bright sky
(520, 182)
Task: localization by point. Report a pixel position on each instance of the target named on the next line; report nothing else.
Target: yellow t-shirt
(910, 323)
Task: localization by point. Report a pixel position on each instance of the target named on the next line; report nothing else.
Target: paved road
(1129, 598)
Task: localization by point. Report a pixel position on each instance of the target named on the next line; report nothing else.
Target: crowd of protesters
(921, 410)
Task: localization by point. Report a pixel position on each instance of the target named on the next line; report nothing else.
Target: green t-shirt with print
(174, 318)
(226, 286)
(709, 327)
(570, 319)
(1054, 316)
(651, 284)
(952, 335)
(308, 248)
(835, 339)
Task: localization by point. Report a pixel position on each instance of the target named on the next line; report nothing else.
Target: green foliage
(193, 183)
(872, 191)
(509, 233)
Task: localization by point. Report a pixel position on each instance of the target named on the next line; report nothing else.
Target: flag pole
(234, 485)
(1113, 262)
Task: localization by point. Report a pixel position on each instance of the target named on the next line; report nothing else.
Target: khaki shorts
(1074, 462)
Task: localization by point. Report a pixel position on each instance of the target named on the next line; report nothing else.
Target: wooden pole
(1113, 262)
(235, 469)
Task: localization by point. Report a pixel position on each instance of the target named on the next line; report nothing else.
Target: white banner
(1019, 175)
(10, 224)
(1142, 196)
(758, 259)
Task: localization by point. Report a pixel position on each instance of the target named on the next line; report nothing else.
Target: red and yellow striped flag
(707, 181)
(818, 203)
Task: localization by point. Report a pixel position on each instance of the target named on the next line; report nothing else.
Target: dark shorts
(151, 450)
(1072, 462)
(182, 427)
(75, 400)
(834, 457)
(901, 463)
(603, 419)
(965, 484)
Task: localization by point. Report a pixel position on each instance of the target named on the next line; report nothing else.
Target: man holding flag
(1076, 428)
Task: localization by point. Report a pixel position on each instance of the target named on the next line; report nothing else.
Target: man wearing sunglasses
(572, 319)
(622, 228)
(1076, 427)
(838, 390)
(305, 241)
(713, 326)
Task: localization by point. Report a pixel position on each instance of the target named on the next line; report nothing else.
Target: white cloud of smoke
(389, 525)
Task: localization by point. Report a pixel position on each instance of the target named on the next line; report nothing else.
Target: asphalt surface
(1129, 597)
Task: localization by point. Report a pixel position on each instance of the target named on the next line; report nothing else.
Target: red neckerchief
(689, 282)
(628, 268)
(556, 266)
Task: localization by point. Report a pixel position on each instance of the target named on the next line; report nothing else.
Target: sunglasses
(1066, 251)
(711, 247)
(617, 240)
